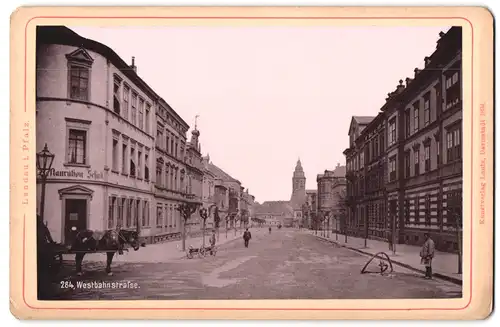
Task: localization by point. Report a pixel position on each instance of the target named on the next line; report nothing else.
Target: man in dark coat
(246, 237)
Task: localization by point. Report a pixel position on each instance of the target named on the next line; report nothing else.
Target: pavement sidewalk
(444, 265)
(161, 252)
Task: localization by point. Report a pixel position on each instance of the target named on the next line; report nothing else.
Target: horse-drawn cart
(50, 253)
(201, 251)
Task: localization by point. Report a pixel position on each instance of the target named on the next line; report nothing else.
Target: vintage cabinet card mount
(153, 150)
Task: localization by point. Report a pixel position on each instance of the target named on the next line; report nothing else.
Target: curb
(404, 265)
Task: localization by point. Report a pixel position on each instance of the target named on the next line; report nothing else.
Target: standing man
(212, 242)
(427, 254)
(246, 237)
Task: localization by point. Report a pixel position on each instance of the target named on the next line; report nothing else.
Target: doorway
(75, 218)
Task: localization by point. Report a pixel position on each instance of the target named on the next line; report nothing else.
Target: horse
(109, 241)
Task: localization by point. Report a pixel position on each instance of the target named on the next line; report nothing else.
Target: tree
(216, 219)
(455, 215)
(305, 214)
(343, 207)
(186, 209)
(204, 216)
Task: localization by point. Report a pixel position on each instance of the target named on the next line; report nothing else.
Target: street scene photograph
(249, 162)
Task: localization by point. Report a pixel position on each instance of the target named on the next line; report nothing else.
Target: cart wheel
(201, 253)
(189, 255)
(214, 252)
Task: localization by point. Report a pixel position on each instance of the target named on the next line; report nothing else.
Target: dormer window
(79, 69)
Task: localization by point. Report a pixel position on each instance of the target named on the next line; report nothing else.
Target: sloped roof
(361, 120)
(274, 208)
(339, 171)
(221, 173)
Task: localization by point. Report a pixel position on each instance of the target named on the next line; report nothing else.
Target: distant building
(274, 212)
(310, 208)
(331, 190)
(288, 212)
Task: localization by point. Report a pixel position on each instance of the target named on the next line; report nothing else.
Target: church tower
(298, 186)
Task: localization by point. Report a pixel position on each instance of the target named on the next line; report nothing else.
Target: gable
(353, 126)
(76, 190)
(80, 55)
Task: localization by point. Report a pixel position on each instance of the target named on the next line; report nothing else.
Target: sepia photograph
(203, 163)
(132, 206)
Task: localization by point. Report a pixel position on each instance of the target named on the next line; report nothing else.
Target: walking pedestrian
(212, 242)
(246, 237)
(427, 254)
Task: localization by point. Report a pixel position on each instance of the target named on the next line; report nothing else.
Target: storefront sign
(89, 174)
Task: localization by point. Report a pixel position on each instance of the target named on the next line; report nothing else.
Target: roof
(363, 120)
(65, 36)
(360, 120)
(221, 173)
(339, 171)
(274, 208)
(311, 191)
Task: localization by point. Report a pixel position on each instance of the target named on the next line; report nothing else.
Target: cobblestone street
(283, 265)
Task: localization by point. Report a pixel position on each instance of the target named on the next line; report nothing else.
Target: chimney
(427, 61)
(133, 66)
(417, 71)
(408, 81)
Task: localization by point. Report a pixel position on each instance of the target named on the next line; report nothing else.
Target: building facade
(108, 129)
(331, 187)
(208, 193)
(80, 89)
(310, 209)
(421, 152)
(274, 213)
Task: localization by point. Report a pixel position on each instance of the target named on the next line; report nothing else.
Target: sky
(266, 96)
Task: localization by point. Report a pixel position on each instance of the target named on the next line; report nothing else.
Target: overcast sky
(268, 95)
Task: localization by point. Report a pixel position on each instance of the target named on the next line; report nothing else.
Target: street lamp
(44, 160)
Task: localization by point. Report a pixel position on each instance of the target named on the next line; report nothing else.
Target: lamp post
(44, 160)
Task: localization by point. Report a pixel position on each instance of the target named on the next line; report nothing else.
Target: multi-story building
(331, 186)
(366, 175)
(105, 106)
(171, 178)
(310, 208)
(194, 165)
(274, 212)
(209, 199)
(355, 164)
(228, 191)
(97, 116)
(422, 154)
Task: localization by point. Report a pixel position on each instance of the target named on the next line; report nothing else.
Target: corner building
(121, 154)
(96, 115)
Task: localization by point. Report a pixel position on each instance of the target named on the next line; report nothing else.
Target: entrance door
(75, 219)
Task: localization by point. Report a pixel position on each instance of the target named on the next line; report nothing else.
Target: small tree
(216, 219)
(186, 209)
(305, 214)
(455, 213)
(204, 216)
(342, 207)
